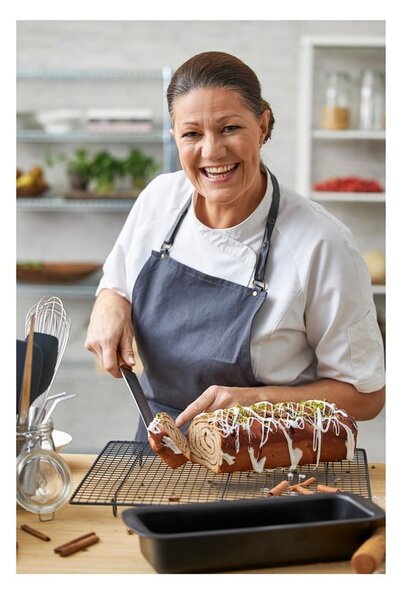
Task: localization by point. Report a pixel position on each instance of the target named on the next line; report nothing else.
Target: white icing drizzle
(321, 415)
(295, 454)
(258, 465)
(153, 426)
(350, 443)
(228, 458)
(167, 441)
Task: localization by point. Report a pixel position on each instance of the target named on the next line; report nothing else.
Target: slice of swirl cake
(168, 441)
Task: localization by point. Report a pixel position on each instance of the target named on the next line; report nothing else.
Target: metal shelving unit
(154, 136)
(54, 201)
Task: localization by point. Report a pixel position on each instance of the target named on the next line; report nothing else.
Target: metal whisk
(50, 318)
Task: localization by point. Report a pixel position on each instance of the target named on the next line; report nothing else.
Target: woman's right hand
(110, 332)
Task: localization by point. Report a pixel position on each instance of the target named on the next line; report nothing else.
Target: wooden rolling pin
(370, 555)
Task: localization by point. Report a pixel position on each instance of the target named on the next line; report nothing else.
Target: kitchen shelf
(41, 136)
(79, 290)
(60, 204)
(348, 134)
(76, 74)
(346, 197)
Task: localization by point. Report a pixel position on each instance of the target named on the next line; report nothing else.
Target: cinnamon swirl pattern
(168, 441)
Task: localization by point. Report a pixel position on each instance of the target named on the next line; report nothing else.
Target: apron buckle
(259, 286)
(165, 249)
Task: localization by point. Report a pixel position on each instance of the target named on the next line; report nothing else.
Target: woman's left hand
(215, 397)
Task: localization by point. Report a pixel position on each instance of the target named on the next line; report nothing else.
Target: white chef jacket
(319, 318)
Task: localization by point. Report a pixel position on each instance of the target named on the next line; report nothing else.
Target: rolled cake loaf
(265, 435)
(168, 441)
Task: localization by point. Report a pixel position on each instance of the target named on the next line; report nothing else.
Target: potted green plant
(105, 168)
(79, 170)
(139, 168)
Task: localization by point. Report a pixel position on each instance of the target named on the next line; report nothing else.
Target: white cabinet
(324, 154)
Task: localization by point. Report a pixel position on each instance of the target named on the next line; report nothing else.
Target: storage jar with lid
(336, 109)
(372, 101)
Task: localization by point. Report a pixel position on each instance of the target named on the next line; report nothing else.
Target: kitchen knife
(137, 393)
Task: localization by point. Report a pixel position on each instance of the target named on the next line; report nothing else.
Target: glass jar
(31, 437)
(43, 478)
(372, 101)
(336, 109)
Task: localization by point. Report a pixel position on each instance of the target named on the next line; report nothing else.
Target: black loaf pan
(244, 534)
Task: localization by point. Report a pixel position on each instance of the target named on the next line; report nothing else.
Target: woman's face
(219, 139)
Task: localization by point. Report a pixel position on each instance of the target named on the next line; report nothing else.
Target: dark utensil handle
(138, 395)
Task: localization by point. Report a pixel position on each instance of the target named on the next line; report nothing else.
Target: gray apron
(193, 330)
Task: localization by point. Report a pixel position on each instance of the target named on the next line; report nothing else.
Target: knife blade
(138, 395)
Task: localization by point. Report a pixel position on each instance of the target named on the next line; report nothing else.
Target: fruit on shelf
(349, 184)
(32, 183)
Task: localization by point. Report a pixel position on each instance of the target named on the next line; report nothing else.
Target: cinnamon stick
(308, 481)
(302, 490)
(77, 544)
(305, 483)
(327, 489)
(278, 489)
(35, 532)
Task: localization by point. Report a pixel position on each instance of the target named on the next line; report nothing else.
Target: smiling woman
(237, 289)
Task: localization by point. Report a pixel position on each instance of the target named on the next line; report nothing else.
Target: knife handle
(370, 555)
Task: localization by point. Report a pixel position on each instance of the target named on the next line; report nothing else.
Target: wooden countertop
(117, 550)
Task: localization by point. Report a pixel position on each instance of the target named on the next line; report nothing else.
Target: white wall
(103, 410)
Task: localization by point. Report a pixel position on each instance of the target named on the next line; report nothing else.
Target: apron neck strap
(259, 275)
(169, 239)
(261, 264)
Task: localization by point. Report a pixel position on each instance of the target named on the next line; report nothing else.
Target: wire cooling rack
(130, 474)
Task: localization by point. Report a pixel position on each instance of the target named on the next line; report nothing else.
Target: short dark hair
(219, 70)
